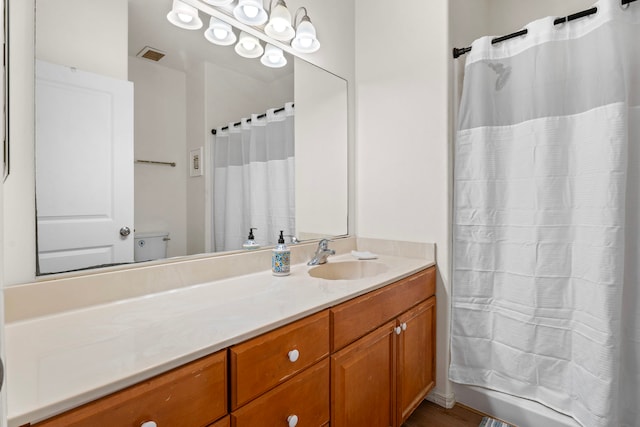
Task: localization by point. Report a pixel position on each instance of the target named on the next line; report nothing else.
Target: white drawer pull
(149, 424)
(293, 356)
(403, 326)
(398, 330)
(292, 420)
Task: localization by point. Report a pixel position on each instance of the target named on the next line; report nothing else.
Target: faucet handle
(324, 244)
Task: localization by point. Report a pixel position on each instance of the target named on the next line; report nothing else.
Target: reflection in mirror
(101, 105)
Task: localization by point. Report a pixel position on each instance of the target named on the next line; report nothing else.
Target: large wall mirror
(126, 160)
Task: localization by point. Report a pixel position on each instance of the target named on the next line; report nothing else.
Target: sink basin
(347, 270)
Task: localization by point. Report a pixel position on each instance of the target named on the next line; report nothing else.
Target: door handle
(125, 231)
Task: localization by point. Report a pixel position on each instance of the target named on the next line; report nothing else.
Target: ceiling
(184, 49)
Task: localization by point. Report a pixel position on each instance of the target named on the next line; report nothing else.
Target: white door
(84, 168)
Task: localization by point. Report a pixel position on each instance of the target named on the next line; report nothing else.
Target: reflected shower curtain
(253, 180)
(546, 300)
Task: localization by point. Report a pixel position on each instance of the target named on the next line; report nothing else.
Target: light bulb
(306, 42)
(248, 45)
(185, 18)
(220, 33)
(274, 59)
(250, 11)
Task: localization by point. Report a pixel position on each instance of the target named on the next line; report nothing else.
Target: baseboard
(448, 401)
(445, 400)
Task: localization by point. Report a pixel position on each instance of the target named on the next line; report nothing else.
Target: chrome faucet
(322, 253)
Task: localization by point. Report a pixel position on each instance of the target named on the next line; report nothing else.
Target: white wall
(103, 23)
(321, 133)
(160, 132)
(402, 57)
(231, 96)
(197, 136)
(507, 16)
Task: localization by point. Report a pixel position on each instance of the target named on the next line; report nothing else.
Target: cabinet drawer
(192, 395)
(355, 318)
(261, 363)
(305, 396)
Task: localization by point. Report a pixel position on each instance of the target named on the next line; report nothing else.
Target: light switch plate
(196, 162)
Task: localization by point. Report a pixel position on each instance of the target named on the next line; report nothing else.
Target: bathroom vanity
(280, 351)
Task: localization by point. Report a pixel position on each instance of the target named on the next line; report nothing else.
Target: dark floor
(431, 415)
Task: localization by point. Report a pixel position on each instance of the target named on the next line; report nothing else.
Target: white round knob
(293, 420)
(149, 424)
(403, 326)
(293, 356)
(398, 330)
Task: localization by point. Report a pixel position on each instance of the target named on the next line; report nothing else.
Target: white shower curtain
(546, 299)
(253, 180)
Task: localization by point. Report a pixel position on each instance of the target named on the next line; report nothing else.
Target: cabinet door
(416, 356)
(363, 381)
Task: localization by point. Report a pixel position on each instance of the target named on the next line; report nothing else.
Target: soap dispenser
(281, 258)
(251, 243)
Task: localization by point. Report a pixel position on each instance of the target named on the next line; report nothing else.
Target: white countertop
(57, 362)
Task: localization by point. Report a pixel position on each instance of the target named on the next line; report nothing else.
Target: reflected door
(84, 169)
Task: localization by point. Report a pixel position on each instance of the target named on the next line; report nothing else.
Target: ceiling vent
(151, 54)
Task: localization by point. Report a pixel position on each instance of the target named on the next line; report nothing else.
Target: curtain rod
(261, 116)
(457, 52)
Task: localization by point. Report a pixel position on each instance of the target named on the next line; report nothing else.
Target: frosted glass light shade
(220, 33)
(250, 12)
(305, 40)
(273, 57)
(184, 16)
(279, 25)
(248, 46)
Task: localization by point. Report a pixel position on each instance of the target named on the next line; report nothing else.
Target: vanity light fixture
(250, 12)
(184, 16)
(248, 46)
(220, 32)
(305, 40)
(279, 26)
(273, 57)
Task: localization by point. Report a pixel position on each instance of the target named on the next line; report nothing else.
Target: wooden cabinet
(194, 395)
(353, 319)
(381, 377)
(366, 362)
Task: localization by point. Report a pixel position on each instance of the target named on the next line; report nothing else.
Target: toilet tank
(150, 245)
